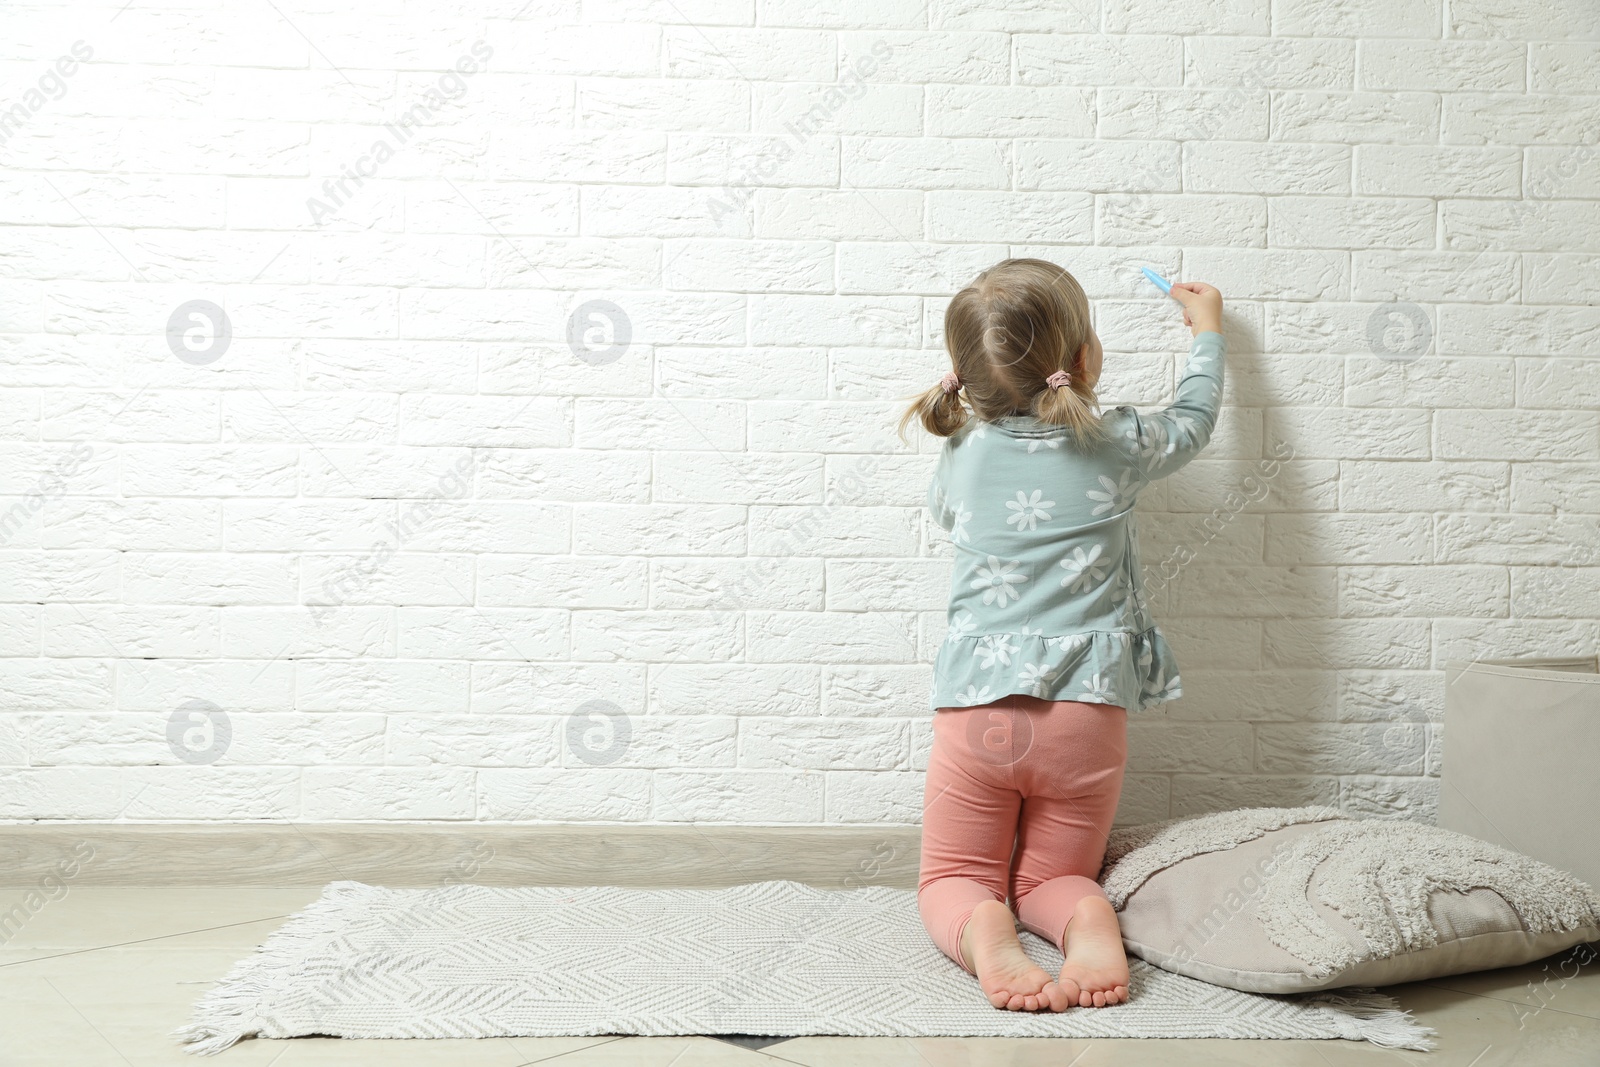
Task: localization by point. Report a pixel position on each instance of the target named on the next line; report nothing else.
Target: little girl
(1051, 641)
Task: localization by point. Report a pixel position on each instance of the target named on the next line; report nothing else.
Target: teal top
(1047, 595)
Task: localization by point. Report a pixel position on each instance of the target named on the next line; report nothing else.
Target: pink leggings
(1042, 776)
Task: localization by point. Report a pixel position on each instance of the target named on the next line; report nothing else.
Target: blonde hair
(1019, 322)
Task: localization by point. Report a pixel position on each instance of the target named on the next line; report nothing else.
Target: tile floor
(101, 977)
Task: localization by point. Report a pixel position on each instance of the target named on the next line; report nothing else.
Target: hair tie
(1058, 379)
(950, 382)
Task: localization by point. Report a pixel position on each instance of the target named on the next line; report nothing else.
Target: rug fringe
(227, 1013)
(1364, 1014)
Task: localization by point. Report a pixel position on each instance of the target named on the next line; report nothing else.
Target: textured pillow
(1284, 900)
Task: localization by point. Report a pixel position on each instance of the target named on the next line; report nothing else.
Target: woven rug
(773, 958)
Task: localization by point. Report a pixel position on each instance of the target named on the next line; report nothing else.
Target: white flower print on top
(1148, 445)
(1037, 675)
(974, 695)
(1085, 570)
(1163, 688)
(993, 649)
(1097, 690)
(1068, 644)
(997, 579)
(1047, 442)
(1028, 512)
(1113, 496)
(961, 626)
(979, 429)
(959, 517)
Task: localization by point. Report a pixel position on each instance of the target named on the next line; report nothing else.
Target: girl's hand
(1202, 305)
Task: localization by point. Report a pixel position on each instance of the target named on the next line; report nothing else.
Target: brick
(480, 632)
(1558, 487)
(835, 214)
(1272, 62)
(138, 524)
(1437, 170)
(1442, 66)
(1566, 540)
(1247, 167)
(822, 744)
(1248, 592)
(1509, 638)
(835, 320)
(368, 793)
(1313, 18)
(1430, 381)
(763, 373)
(767, 690)
(1477, 434)
(1422, 592)
(1085, 59)
(1516, 118)
(1565, 67)
(207, 578)
(599, 794)
(772, 797)
(1128, 166)
(1370, 643)
(1437, 277)
(1404, 538)
(736, 584)
(776, 55)
(697, 636)
(1236, 114)
(833, 530)
(554, 688)
(1359, 117)
(1432, 485)
(830, 637)
(735, 165)
(749, 266)
(1203, 219)
(1175, 746)
(927, 163)
(1317, 222)
(660, 425)
(806, 113)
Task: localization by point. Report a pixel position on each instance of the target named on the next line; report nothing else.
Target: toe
(1099, 998)
(1059, 997)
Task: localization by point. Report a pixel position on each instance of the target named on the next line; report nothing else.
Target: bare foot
(1095, 971)
(1008, 977)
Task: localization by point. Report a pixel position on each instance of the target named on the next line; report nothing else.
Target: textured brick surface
(548, 470)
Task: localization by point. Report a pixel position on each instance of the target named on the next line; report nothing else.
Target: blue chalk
(1166, 286)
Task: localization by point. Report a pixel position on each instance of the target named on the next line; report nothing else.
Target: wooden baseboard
(429, 854)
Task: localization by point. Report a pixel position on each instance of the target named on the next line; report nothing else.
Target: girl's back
(1047, 594)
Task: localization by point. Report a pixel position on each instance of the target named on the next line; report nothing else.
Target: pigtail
(1071, 405)
(940, 411)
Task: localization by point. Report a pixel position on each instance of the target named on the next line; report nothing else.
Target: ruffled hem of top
(1133, 670)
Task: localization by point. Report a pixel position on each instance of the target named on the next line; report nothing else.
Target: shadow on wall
(1306, 665)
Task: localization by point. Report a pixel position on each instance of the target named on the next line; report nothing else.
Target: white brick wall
(548, 471)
